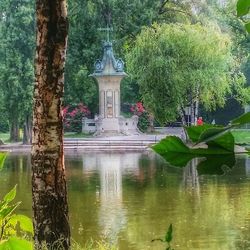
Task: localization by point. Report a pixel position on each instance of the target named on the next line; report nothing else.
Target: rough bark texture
(14, 131)
(48, 179)
(27, 131)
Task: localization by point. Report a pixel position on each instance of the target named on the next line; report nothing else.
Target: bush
(72, 117)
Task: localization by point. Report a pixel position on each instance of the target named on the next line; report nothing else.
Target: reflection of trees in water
(247, 165)
(149, 198)
(190, 176)
(17, 170)
(110, 168)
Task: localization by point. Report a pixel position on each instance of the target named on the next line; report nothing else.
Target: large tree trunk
(182, 115)
(49, 192)
(192, 113)
(14, 130)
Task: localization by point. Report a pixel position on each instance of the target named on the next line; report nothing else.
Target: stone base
(119, 126)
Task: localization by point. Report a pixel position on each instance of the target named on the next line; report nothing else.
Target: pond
(129, 199)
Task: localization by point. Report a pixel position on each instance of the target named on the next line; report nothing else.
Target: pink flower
(137, 109)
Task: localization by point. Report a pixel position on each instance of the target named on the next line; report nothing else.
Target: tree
(127, 18)
(16, 62)
(49, 193)
(182, 65)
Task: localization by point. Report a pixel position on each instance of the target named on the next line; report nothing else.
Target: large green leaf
(215, 132)
(169, 236)
(243, 7)
(247, 26)
(7, 211)
(213, 165)
(225, 141)
(176, 153)
(242, 120)
(194, 132)
(15, 243)
(2, 159)
(25, 222)
(212, 134)
(173, 144)
(177, 159)
(10, 196)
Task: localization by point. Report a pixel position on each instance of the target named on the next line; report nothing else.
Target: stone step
(108, 143)
(89, 146)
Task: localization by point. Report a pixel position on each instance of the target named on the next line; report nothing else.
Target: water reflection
(131, 198)
(112, 216)
(247, 165)
(190, 175)
(111, 167)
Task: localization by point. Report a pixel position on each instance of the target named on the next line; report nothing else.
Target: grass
(90, 245)
(241, 136)
(4, 137)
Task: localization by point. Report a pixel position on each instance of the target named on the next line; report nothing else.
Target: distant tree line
(130, 20)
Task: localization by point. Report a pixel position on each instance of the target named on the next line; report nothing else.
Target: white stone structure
(109, 72)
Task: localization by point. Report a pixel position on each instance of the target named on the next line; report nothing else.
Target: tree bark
(49, 191)
(14, 131)
(182, 115)
(27, 131)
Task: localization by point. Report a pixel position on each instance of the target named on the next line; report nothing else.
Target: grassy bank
(241, 136)
(4, 137)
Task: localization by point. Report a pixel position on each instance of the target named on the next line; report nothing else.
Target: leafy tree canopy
(176, 63)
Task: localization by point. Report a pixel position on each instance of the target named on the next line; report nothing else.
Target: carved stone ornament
(98, 66)
(119, 65)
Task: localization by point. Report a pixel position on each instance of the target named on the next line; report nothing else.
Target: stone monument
(109, 72)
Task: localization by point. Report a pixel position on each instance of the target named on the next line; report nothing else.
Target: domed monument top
(109, 65)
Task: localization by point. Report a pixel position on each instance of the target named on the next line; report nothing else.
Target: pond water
(129, 199)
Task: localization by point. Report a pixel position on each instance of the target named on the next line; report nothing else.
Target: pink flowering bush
(139, 110)
(73, 115)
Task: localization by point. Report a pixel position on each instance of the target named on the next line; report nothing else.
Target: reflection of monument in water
(112, 214)
(247, 165)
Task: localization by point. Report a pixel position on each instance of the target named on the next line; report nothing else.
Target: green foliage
(177, 64)
(84, 45)
(2, 159)
(215, 144)
(15, 243)
(243, 7)
(168, 238)
(17, 43)
(194, 132)
(241, 136)
(12, 226)
(143, 122)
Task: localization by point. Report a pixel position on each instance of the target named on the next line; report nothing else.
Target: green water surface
(128, 199)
